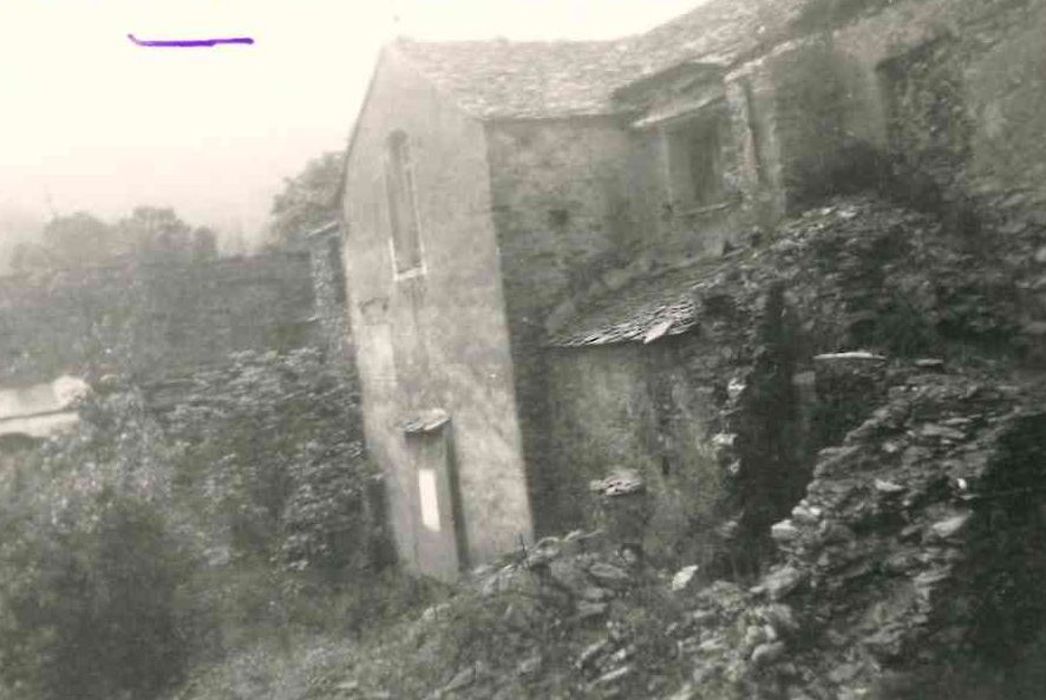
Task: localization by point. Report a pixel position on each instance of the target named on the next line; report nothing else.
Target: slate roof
(657, 304)
(499, 79)
(720, 31)
(813, 253)
(502, 79)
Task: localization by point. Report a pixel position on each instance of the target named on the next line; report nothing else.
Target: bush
(90, 567)
(271, 451)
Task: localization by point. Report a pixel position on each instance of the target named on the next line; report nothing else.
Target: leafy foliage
(156, 233)
(150, 233)
(91, 564)
(115, 567)
(70, 240)
(79, 237)
(308, 200)
(271, 445)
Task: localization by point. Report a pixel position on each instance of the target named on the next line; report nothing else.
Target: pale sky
(88, 120)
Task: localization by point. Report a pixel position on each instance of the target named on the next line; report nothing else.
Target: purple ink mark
(189, 43)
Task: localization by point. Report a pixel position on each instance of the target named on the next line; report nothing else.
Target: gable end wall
(438, 339)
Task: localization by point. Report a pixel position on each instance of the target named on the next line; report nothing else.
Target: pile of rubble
(864, 381)
(916, 550)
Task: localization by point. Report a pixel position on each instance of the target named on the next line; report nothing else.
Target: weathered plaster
(439, 339)
(638, 407)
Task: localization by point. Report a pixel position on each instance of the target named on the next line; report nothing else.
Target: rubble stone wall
(962, 99)
(330, 291)
(562, 216)
(670, 227)
(949, 93)
(629, 407)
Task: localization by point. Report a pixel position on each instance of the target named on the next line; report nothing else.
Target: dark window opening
(403, 214)
(695, 162)
(756, 132)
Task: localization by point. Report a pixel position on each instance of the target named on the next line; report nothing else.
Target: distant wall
(147, 320)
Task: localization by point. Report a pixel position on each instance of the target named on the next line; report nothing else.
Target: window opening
(403, 215)
(695, 162)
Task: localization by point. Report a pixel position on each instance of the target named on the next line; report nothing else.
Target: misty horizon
(102, 125)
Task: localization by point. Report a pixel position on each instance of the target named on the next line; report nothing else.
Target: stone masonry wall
(330, 291)
(628, 407)
(562, 218)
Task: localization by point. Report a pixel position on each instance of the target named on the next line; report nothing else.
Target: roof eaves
(710, 69)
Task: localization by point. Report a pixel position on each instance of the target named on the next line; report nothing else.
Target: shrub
(271, 452)
(90, 566)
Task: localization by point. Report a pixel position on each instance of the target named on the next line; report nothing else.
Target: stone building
(495, 192)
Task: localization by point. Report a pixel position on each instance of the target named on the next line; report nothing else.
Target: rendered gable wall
(434, 339)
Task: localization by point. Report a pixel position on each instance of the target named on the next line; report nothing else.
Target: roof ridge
(554, 78)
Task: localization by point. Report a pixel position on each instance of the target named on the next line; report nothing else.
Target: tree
(79, 238)
(308, 200)
(204, 244)
(156, 233)
(92, 562)
(149, 233)
(27, 257)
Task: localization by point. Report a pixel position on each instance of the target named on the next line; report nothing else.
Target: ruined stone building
(524, 221)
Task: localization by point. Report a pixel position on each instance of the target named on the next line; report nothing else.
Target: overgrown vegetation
(136, 549)
(308, 200)
(148, 234)
(91, 564)
(271, 447)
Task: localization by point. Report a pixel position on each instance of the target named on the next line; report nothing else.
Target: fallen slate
(888, 487)
(853, 355)
(766, 654)
(611, 677)
(950, 527)
(529, 666)
(595, 594)
(586, 610)
(780, 582)
(941, 431)
(591, 652)
(683, 577)
(462, 679)
(608, 574)
(784, 531)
